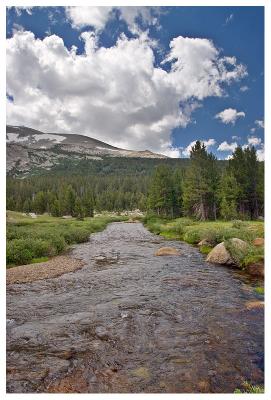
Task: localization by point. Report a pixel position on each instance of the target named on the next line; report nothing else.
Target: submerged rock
(167, 251)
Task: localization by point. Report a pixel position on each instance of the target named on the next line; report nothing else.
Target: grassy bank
(37, 239)
(213, 232)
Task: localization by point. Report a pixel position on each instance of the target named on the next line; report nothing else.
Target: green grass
(205, 249)
(249, 388)
(259, 290)
(192, 232)
(29, 239)
(39, 260)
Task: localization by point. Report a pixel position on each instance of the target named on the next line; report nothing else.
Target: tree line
(204, 192)
(204, 188)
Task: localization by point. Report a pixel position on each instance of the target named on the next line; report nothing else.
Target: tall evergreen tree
(162, 197)
(200, 185)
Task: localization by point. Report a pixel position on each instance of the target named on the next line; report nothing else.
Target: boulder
(220, 255)
(258, 242)
(256, 269)
(167, 251)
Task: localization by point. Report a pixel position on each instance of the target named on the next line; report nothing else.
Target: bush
(192, 237)
(238, 224)
(22, 251)
(18, 252)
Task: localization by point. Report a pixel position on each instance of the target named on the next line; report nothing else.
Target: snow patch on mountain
(48, 136)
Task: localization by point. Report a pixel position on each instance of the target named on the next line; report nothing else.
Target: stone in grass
(167, 251)
(220, 255)
(258, 242)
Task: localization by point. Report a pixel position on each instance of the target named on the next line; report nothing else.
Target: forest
(203, 187)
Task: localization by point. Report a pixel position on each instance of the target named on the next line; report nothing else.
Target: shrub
(18, 252)
(192, 237)
(238, 224)
(76, 235)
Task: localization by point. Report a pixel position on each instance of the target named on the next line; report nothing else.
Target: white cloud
(229, 19)
(252, 130)
(259, 123)
(225, 146)
(20, 9)
(254, 141)
(236, 137)
(97, 17)
(208, 143)
(244, 88)
(115, 94)
(88, 16)
(230, 115)
(260, 154)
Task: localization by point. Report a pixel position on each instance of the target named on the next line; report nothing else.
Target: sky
(156, 78)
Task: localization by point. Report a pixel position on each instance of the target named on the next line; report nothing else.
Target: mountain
(29, 149)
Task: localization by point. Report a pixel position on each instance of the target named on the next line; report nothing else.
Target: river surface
(130, 321)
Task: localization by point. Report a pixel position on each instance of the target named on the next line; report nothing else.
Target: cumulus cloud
(208, 143)
(254, 141)
(229, 116)
(115, 94)
(97, 17)
(225, 146)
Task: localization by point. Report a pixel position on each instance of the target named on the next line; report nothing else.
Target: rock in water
(167, 251)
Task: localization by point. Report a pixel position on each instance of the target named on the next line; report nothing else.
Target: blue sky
(140, 77)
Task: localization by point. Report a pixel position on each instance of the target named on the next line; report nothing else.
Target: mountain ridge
(28, 148)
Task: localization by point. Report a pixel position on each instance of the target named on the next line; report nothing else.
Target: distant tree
(200, 184)
(228, 192)
(245, 168)
(40, 203)
(78, 211)
(162, 196)
(69, 200)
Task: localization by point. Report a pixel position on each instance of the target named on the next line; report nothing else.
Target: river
(130, 321)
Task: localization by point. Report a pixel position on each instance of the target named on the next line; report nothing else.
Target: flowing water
(130, 321)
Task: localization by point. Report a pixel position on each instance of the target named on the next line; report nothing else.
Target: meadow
(31, 240)
(212, 232)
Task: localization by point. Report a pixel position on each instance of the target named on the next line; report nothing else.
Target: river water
(130, 321)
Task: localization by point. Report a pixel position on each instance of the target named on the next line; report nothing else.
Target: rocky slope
(29, 149)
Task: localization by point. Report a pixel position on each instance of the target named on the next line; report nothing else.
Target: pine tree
(228, 192)
(162, 198)
(200, 185)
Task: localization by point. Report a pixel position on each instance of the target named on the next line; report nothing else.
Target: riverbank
(207, 234)
(36, 238)
(129, 321)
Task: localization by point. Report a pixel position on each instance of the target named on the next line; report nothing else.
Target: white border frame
(233, 3)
